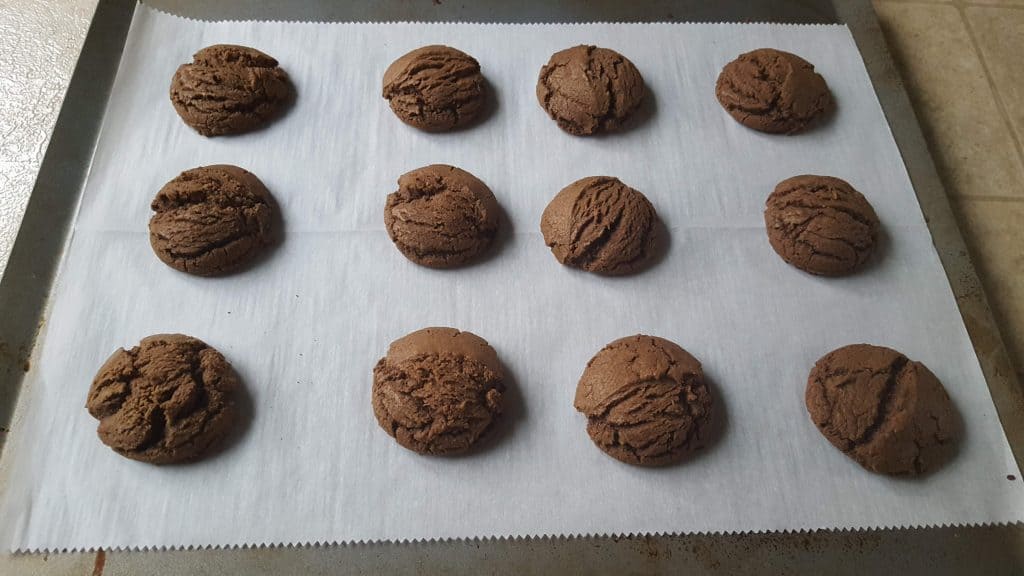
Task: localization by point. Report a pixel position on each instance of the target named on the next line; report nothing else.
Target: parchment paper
(305, 327)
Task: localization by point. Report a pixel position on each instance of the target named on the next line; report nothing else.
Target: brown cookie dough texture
(229, 89)
(586, 89)
(601, 225)
(435, 88)
(821, 225)
(438, 390)
(441, 216)
(169, 399)
(645, 400)
(211, 220)
(887, 412)
(773, 91)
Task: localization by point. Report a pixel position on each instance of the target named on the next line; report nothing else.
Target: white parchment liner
(305, 328)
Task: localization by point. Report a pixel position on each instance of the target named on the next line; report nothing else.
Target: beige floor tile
(1000, 34)
(993, 232)
(968, 136)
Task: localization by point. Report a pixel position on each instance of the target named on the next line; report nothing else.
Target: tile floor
(962, 63)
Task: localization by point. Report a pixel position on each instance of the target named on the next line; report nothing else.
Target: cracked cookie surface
(438, 390)
(773, 91)
(601, 225)
(821, 225)
(211, 220)
(435, 88)
(229, 89)
(441, 216)
(587, 89)
(885, 411)
(169, 399)
(645, 400)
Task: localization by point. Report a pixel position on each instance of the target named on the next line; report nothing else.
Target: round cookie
(435, 88)
(438, 390)
(169, 399)
(773, 91)
(887, 412)
(645, 400)
(587, 90)
(601, 225)
(230, 89)
(211, 220)
(820, 224)
(441, 216)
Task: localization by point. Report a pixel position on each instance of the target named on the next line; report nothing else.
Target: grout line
(970, 3)
(918, 2)
(992, 198)
(1000, 105)
(981, 5)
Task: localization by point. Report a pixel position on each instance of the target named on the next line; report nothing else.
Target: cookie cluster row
(215, 219)
(441, 391)
(229, 89)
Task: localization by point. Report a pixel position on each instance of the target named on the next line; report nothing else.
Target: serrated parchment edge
(511, 538)
(530, 24)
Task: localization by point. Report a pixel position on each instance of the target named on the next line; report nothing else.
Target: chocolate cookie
(438, 390)
(586, 89)
(441, 216)
(211, 220)
(773, 91)
(820, 224)
(435, 88)
(169, 399)
(599, 224)
(230, 89)
(887, 412)
(645, 400)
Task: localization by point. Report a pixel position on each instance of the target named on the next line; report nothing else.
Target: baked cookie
(645, 400)
(599, 224)
(887, 412)
(169, 399)
(230, 89)
(586, 89)
(773, 91)
(441, 216)
(438, 390)
(211, 220)
(435, 88)
(820, 225)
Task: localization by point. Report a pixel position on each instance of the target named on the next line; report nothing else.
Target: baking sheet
(305, 328)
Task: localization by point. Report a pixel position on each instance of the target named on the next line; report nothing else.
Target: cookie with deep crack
(170, 399)
(888, 413)
(821, 225)
(645, 400)
(438, 390)
(588, 90)
(601, 225)
(441, 216)
(435, 88)
(229, 89)
(773, 91)
(212, 220)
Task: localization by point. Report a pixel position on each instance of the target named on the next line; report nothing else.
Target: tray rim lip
(895, 104)
(71, 141)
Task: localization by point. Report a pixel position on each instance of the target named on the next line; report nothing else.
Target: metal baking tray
(25, 288)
